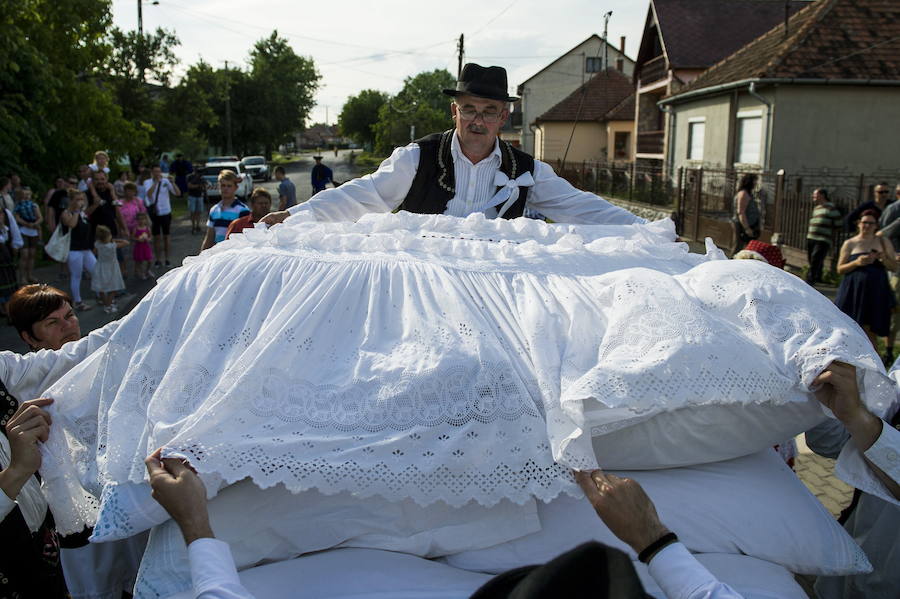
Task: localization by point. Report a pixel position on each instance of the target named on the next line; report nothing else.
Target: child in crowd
(143, 250)
(107, 277)
(29, 218)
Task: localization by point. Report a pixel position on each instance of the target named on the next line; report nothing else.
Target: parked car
(256, 166)
(222, 159)
(210, 174)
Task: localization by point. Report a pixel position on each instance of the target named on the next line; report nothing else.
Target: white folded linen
(434, 359)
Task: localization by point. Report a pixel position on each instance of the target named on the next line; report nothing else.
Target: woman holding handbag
(81, 258)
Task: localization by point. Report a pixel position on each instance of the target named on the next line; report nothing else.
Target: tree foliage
(421, 103)
(282, 87)
(54, 110)
(359, 115)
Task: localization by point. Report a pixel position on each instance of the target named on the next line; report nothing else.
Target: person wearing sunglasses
(465, 170)
(881, 199)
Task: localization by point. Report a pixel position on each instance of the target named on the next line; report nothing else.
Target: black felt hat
(483, 82)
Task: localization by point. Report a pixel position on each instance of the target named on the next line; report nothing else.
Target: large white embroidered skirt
(436, 359)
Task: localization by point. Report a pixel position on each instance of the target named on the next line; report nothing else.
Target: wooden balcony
(650, 142)
(654, 70)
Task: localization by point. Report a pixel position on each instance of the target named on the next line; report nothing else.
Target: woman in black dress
(865, 294)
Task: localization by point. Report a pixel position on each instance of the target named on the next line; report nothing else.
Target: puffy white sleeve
(213, 574)
(382, 191)
(681, 576)
(27, 376)
(14, 233)
(557, 199)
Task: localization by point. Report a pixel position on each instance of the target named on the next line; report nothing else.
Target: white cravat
(509, 190)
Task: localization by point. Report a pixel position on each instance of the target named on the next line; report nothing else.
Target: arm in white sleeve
(382, 191)
(681, 576)
(212, 571)
(6, 505)
(557, 199)
(885, 452)
(14, 233)
(28, 375)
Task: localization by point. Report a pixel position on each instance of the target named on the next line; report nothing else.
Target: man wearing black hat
(321, 175)
(464, 170)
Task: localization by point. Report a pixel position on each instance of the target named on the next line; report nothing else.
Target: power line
(497, 16)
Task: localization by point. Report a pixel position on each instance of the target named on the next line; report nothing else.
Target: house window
(593, 64)
(620, 148)
(749, 137)
(696, 133)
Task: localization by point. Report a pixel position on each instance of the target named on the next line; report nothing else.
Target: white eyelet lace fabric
(422, 357)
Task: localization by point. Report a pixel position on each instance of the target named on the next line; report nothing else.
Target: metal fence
(703, 198)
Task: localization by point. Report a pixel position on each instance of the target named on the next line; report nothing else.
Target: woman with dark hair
(746, 212)
(865, 294)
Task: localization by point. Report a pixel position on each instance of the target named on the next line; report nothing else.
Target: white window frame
(743, 120)
(694, 150)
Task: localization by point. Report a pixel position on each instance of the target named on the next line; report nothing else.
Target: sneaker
(82, 307)
(168, 264)
(157, 264)
(108, 309)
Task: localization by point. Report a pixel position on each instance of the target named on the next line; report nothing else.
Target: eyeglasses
(469, 114)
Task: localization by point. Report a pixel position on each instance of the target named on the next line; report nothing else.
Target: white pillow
(681, 437)
(754, 505)
(752, 578)
(358, 573)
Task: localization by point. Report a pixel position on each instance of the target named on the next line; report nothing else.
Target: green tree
(359, 115)
(282, 86)
(140, 73)
(54, 111)
(421, 103)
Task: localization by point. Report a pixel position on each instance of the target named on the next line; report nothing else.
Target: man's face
(60, 327)
(881, 193)
(84, 172)
(261, 206)
(157, 173)
(227, 188)
(475, 129)
(817, 196)
(100, 180)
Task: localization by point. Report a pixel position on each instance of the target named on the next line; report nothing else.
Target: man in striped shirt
(228, 209)
(823, 223)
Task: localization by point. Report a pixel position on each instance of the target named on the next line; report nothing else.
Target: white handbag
(58, 246)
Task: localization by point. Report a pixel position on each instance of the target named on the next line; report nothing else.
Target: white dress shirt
(385, 189)
(213, 574)
(681, 576)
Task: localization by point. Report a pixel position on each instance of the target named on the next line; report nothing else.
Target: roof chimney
(622, 44)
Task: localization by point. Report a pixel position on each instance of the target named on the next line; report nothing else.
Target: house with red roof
(594, 122)
(681, 39)
(819, 90)
(565, 74)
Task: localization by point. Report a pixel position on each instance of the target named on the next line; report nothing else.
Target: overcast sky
(357, 47)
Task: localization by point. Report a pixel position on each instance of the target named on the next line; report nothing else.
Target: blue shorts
(195, 203)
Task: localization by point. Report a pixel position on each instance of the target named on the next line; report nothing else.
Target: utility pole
(140, 48)
(460, 46)
(230, 149)
(605, 43)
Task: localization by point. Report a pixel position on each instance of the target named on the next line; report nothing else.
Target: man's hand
(181, 492)
(623, 506)
(29, 426)
(839, 393)
(273, 218)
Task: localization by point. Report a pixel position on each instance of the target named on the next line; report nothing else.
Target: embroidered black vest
(435, 184)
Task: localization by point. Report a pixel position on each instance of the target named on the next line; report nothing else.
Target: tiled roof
(624, 111)
(831, 39)
(699, 33)
(601, 94)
